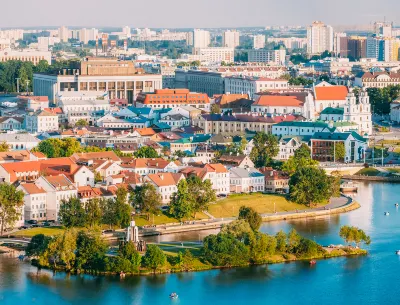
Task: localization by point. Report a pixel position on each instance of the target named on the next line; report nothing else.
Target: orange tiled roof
(165, 179)
(278, 100)
(331, 93)
(216, 167)
(103, 155)
(32, 188)
(145, 131)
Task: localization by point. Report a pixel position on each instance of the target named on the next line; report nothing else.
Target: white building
(33, 56)
(63, 34)
(19, 141)
(165, 184)
(215, 54)
(58, 188)
(201, 39)
(175, 120)
(259, 42)
(35, 202)
(290, 43)
(268, 56)
(13, 35)
(288, 145)
(319, 38)
(246, 180)
(230, 39)
(85, 35)
(41, 121)
(253, 85)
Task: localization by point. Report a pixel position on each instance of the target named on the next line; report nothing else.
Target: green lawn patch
(163, 218)
(368, 172)
(262, 203)
(48, 231)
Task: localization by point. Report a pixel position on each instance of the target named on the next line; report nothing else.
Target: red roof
(331, 93)
(278, 100)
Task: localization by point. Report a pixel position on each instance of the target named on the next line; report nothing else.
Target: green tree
(11, 205)
(293, 241)
(37, 245)
(129, 252)
(281, 241)
(93, 212)
(224, 250)
(301, 159)
(339, 151)
(72, 214)
(66, 248)
(353, 234)
(81, 123)
(154, 258)
(4, 147)
(148, 199)
(109, 211)
(251, 216)
(42, 66)
(186, 260)
(215, 109)
(90, 251)
(181, 205)
(309, 186)
(240, 229)
(262, 246)
(265, 148)
(146, 152)
(201, 193)
(122, 208)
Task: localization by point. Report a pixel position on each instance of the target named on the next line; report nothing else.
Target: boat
(396, 205)
(313, 262)
(349, 187)
(173, 296)
(386, 214)
(398, 252)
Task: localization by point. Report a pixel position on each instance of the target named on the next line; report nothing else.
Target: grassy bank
(262, 203)
(163, 218)
(48, 231)
(368, 172)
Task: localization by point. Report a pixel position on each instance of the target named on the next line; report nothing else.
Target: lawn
(174, 248)
(163, 218)
(368, 172)
(262, 203)
(393, 170)
(48, 231)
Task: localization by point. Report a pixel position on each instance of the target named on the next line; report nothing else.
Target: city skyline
(134, 14)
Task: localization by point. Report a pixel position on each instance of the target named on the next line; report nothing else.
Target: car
(46, 224)
(34, 226)
(22, 228)
(32, 222)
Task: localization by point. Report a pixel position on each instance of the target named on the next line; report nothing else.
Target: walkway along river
(371, 279)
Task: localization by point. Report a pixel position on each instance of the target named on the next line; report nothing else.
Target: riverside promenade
(336, 206)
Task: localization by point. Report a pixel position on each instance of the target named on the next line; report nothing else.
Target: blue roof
(162, 125)
(163, 110)
(140, 110)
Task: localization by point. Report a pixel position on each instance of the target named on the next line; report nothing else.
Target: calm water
(365, 280)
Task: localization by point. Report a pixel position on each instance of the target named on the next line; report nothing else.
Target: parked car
(32, 222)
(46, 224)
(23, 228)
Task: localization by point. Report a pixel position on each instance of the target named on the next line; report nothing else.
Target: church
(352, 111)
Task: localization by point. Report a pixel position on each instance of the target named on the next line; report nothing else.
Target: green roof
(302, 124)
(331, 110)
(337, 136)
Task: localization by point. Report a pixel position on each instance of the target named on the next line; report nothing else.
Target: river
(371, 279)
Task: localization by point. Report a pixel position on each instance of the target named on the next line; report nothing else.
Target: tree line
(24, 70)
(239, 243)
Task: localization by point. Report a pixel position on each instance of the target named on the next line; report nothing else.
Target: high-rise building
(383, 49)
(340, 44)
(319, 38)
(63, 34)
(85, 35)
(126, 30)
(230, 39)
(383, 29)
(201, 39)
(269, 56)
(357, 47)
(258, 42)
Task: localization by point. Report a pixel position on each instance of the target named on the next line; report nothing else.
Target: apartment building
(253, 85)
(319, 38)
(215, 54)
(41, 121)
(277, 57)
(33, 56)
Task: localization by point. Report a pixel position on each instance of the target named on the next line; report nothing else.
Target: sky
(194, 14)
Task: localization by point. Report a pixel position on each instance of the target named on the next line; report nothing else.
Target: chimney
(162, 177)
